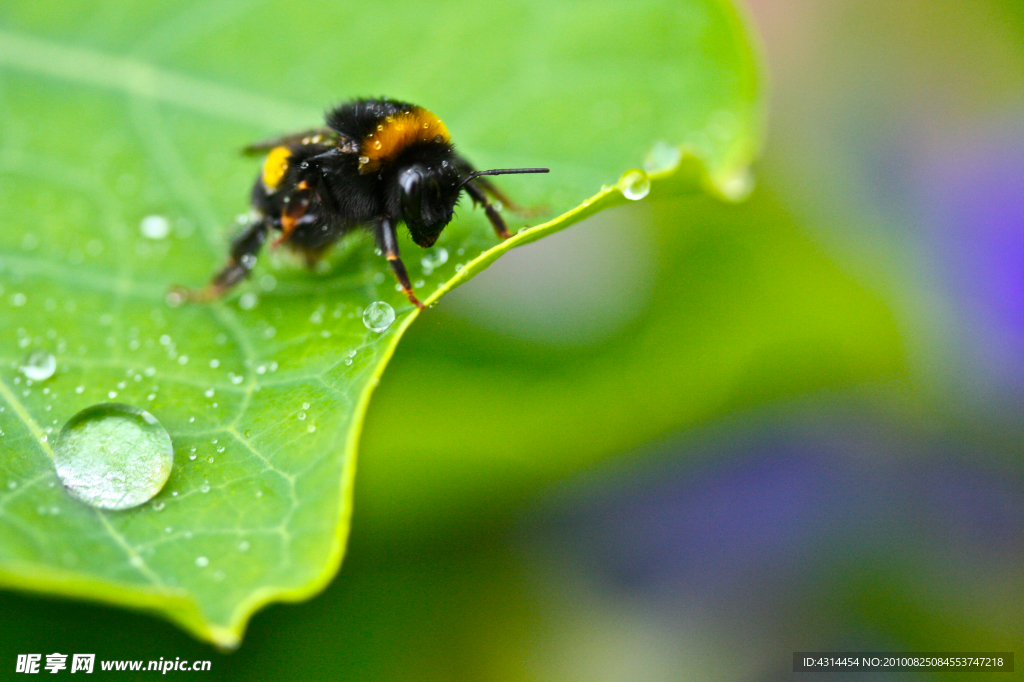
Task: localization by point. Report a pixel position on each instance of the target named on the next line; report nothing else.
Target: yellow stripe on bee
(276, 167)
(396, 133)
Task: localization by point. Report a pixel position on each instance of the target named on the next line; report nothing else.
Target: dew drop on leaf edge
(378, 316)
(113, 456)
(634, 185)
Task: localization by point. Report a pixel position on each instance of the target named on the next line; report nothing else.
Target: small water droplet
(209, 392)
(155, 227)
(39, 365)
(305, 406)
(662, 158)
(113, 456)
(247, 433)
(434, 259)
(378, 316)
(158, 506)
(205, 487)
(634, 185)
(311, 428)
(243, 546)
(738, 185)
(248, 301)
(202, 562)
(214, 364)
(301, 416)
(210, 459)
(348, 361)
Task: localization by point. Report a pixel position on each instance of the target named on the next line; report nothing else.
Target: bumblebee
(377, 163)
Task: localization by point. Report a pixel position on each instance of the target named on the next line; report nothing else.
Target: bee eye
(411, 182)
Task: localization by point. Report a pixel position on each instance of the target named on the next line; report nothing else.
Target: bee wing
(312, 136)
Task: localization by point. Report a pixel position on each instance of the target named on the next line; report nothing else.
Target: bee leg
(387, 241)
(477, 195)
(241, 261)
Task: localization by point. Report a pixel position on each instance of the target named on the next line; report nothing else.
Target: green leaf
(110, 115)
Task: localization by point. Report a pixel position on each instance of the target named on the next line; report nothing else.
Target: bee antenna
(501, 171)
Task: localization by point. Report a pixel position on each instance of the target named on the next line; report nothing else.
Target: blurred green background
(795, 424)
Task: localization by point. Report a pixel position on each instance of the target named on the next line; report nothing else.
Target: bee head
(429, 194)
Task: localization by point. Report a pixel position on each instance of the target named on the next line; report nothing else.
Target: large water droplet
(634, 185)
(113, 456)
(39, 365)
(378, 316)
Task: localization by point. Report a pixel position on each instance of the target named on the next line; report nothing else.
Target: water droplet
(155, 227)
(301, 416)
(209, 392)
(248, 301)
(305, 406)
(348, 361)
(311, 428)
(202, 562)
(243, 546)
(434, 259)
(39, 365)
(205, 487)
(158, 506)
(214, 364)
(634, 185)
(738, 185)
(113, 456)
(378, 316)
(662, 158)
